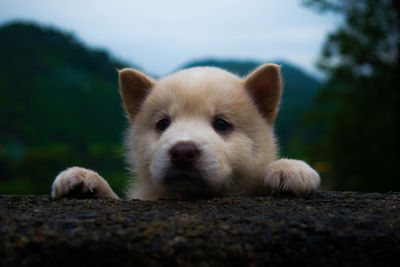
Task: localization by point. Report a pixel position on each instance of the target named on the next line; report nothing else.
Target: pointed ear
(134, 86)
(265, 87)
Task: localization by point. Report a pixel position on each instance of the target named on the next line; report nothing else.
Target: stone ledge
(329, 229)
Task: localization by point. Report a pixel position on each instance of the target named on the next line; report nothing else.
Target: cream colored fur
(241, 160)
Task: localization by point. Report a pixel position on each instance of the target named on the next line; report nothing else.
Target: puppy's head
(201, 131)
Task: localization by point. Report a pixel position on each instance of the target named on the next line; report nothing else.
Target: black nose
(184, 154)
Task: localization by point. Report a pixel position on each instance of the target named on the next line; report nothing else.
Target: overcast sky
(159, 36)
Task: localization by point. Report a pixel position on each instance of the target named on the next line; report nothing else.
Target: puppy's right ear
(134, 86)
(265, 87)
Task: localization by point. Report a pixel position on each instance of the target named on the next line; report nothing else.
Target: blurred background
(59, 102)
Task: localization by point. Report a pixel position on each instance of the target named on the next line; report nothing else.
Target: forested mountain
(53, 89)
(59, 107)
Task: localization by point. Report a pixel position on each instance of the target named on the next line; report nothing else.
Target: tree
(359, 105)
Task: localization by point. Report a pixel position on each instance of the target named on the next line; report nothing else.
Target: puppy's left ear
(134, 86)
(265, 87)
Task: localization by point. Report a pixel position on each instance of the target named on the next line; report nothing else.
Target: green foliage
(358, 116)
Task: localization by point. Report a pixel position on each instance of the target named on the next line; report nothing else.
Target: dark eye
(163, 124)
(222, 125)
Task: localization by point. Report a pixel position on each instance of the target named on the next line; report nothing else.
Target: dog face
(201, 131)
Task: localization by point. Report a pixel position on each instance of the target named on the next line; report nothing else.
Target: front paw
(81, 183)
(291, 176)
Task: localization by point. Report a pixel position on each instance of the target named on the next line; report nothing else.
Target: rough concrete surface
(329, 229)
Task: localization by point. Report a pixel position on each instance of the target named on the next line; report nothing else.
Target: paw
(81, 183)
(291, 176)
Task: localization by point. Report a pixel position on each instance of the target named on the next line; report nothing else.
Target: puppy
(199, 133)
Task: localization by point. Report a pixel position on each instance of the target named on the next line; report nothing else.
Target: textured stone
(328, 229)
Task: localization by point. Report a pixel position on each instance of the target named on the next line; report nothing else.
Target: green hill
(52, 88)
(299, 91)
(59, 106)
